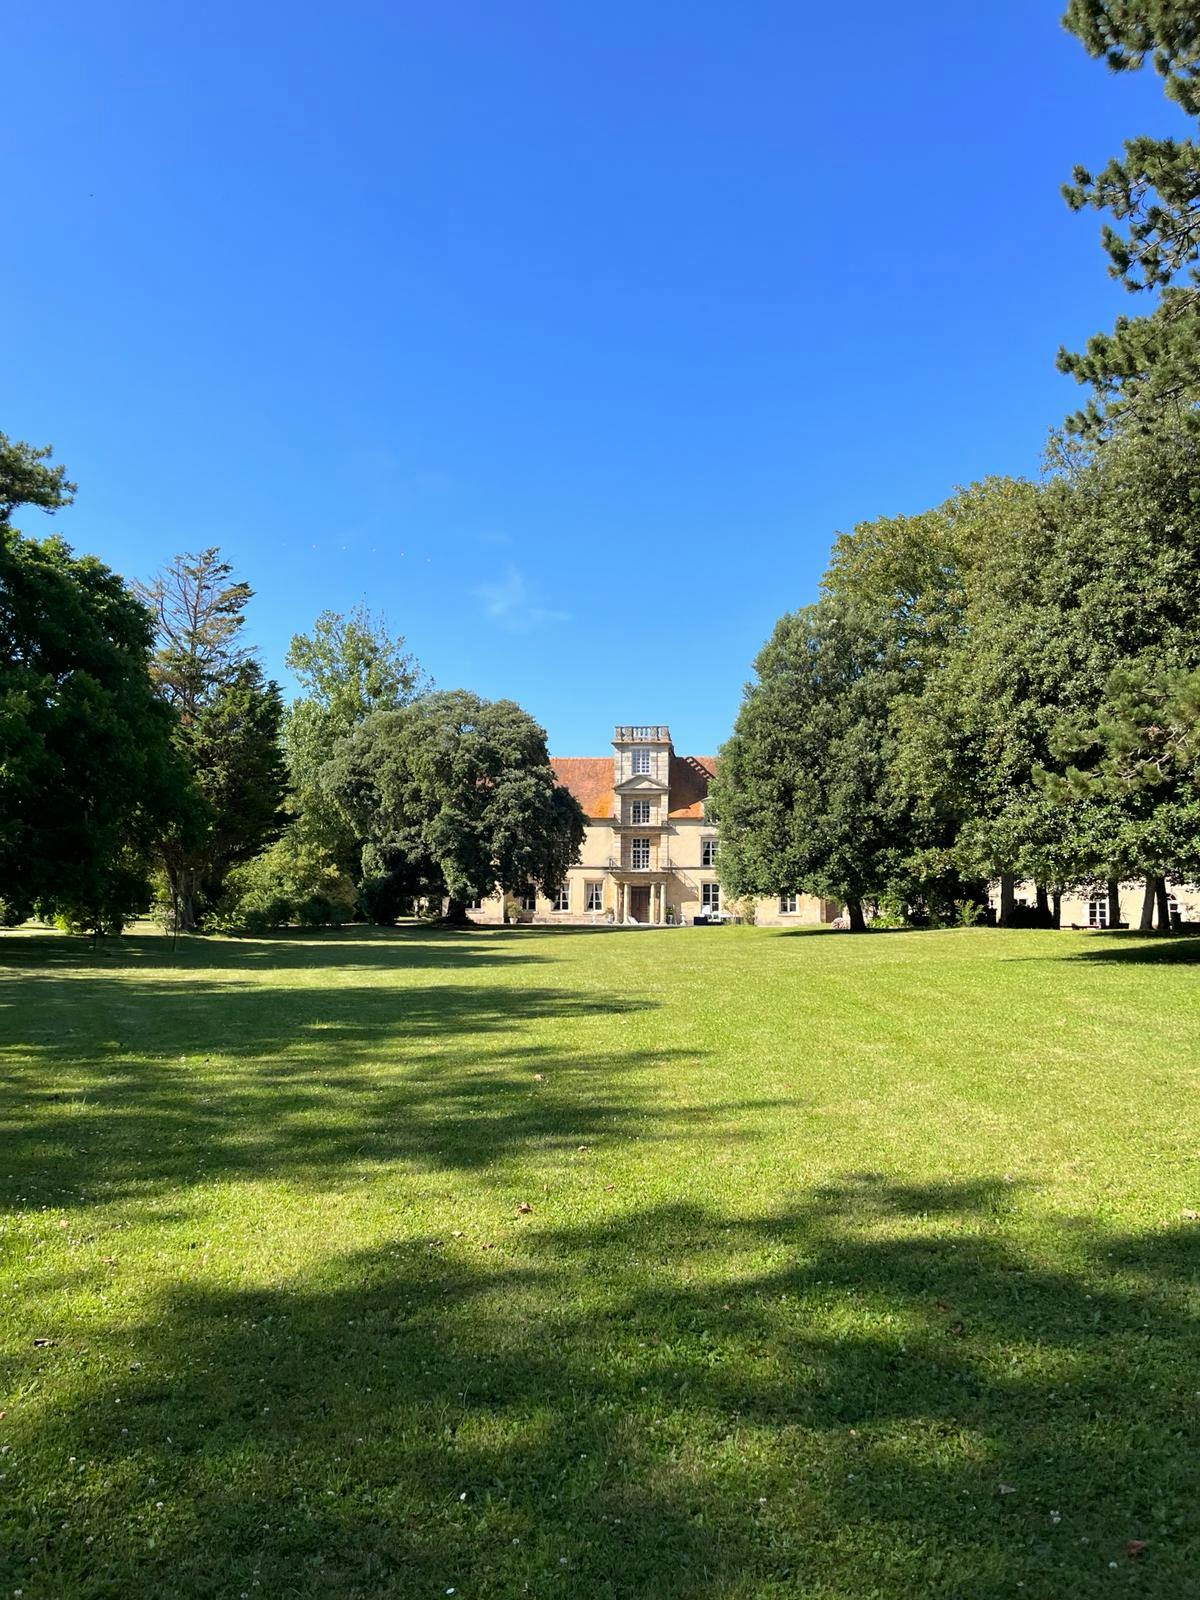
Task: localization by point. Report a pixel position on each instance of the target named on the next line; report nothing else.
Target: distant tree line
(1008, 686)
(145, 759)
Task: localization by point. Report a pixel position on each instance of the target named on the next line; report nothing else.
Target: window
(1098, 913)
(595, 897)
(787, 903)
(710, 897)
(1173, 914)
(639, 852)
(527, 899)
(641, 762)
(475, 905)
(562, 898)
(639, 811)
(708, 852)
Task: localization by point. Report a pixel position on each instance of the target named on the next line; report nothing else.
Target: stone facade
(649, 854)
(1081, 909)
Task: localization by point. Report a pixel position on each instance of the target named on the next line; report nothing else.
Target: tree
(89, 776)
(1147, 363)
(1138, 753)
(1064, 584)
(971, 741)
(198, 606)
(802, 792)
(453, 797)
(348, 667)
(27, 479)
(811, 791)
(229, 722)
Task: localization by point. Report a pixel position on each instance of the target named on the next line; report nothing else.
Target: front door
(639, 902)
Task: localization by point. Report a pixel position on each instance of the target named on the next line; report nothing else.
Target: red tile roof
(589, 778)
(689, 784)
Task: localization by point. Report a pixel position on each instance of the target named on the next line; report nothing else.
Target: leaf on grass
(1135, 1548)
(524, 1208)
(42, 1343)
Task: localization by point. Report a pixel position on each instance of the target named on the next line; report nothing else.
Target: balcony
(655, 825)
(630, 733)
(662, 864)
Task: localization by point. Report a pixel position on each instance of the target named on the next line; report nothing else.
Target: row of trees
(1008, 686)
(145, 756)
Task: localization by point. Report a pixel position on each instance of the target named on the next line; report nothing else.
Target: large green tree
(1148, 363)
(810, 792)
(453, 797)
(229, 726)
(1063, 585)
(348, 667)
(802, 795)
(89, 775)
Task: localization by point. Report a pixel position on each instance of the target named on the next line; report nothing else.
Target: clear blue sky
(566, 334)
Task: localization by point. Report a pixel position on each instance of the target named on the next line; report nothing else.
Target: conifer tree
(1148, 363)
(230, 719)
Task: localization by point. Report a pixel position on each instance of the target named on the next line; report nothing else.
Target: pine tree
(230, 719)
(1147, 364)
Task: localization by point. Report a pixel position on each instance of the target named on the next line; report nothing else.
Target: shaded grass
(854, 1268)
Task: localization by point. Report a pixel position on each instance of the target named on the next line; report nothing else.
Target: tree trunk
(1114, 902)
(456, 914)
(1056, 909)
(183, 881)
(1008, 897)
(1146, 920)
(854, 910)
(1164, 910)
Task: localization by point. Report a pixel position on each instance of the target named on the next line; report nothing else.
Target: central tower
(641, 803)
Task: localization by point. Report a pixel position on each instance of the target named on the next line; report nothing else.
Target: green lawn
(855, 1267)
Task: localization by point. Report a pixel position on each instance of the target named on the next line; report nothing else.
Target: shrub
(292, 881)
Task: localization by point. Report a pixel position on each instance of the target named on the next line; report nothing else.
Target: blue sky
(566, 335)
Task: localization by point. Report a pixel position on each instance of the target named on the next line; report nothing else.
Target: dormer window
(639, 811)
(641, 763)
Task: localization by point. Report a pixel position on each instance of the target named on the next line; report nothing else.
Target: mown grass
(855, 1267)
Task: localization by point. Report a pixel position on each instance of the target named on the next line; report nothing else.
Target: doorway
(639, 902)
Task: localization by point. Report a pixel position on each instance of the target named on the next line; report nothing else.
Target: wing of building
(650, 854)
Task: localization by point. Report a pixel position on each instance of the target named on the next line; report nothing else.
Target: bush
(293, 881)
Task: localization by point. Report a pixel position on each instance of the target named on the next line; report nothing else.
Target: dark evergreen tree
(229, 725)
(1148, 363)
(89, 776)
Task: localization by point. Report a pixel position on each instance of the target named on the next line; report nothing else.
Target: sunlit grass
(719, 1262)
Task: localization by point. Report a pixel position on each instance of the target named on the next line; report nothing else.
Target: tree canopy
(348, 666)
(453, 796)
(89, 775)
(1152, 192)
(229, 719)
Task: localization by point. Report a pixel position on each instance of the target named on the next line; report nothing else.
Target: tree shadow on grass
(406, 947)
(117, 1087)
(877, 1393)
(130, 1081)
(1163, 950)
